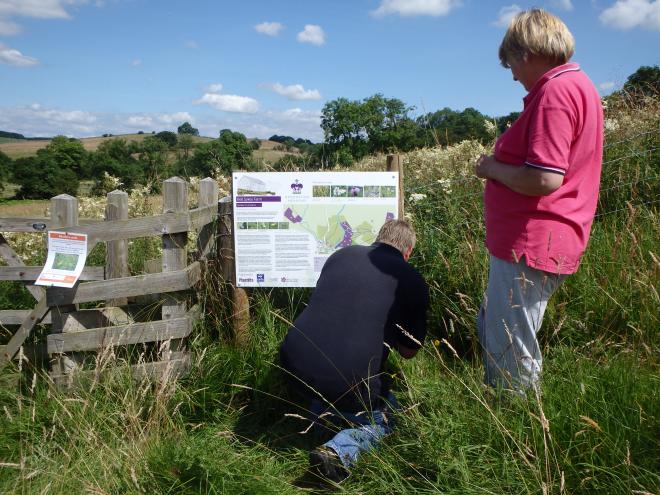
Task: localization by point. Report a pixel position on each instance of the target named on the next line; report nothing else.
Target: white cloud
(174, 118)
(269, 28)
(313, 34)
(41, 9)
(192, 44)
(506, 14)
(229, 103)
(11, 56)
(294, 91)
(36, 120)
(628, 14)
(157, 120)
(564, 4)
(293, 122)
(607, 85)
(416, 7)
(8, 28)
(136, 62)
(214, 88)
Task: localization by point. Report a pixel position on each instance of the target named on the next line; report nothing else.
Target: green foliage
(645, 80)
(168, 137)
(67, 153)
(448, 126)
(186, 128)
(5, 170)
(376, 124)
(153, 159)
(231, 151)
(115, 157)
(41, 177)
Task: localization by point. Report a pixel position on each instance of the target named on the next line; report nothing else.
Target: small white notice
(67, 253)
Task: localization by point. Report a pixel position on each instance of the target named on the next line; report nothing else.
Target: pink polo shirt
(560, 130)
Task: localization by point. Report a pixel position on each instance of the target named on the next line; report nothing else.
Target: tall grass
(231, 427)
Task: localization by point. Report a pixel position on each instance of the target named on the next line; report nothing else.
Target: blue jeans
(369, 429)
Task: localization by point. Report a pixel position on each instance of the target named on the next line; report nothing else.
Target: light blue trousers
(509, 320)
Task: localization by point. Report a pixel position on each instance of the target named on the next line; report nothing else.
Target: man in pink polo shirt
(541, 194)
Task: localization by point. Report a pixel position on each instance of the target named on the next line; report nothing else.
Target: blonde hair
(537, 32)
(397, 233)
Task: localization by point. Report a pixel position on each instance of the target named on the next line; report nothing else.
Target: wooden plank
(208, 198)
(64, 211)
(159, 371)
(18, 316)
(395, 164)
(95, 318)
(116, 259)
(126, 287)
(12, 259)
(36, 225)
(135, 333)
(225, 248)
(175, 199)
(30, 273)
(199, 217)
(33, 318)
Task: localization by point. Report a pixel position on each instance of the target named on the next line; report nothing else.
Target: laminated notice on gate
(286, 224)
(67, 253)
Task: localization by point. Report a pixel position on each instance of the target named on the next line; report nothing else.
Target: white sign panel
(67, 253)
(286, 224)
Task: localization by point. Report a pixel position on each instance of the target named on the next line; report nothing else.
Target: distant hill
(16, 135)
(19, 147)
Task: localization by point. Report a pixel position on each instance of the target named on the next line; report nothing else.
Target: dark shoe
(326, 462)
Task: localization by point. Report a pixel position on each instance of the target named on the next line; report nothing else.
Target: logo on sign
(261, 277)
(296, 187)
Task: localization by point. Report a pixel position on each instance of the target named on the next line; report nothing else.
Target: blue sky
(263, 67)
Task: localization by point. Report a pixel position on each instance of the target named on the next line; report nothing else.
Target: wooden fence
(76, 334)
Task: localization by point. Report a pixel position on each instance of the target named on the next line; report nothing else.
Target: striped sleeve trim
(547, 168)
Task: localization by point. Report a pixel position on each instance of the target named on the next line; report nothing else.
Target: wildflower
(416, 197)
(491, 127)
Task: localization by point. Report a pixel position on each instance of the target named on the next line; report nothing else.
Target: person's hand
(481, 167)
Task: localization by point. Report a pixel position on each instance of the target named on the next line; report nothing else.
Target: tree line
(352, 130)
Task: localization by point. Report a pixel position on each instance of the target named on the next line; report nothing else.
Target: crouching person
(367, 301)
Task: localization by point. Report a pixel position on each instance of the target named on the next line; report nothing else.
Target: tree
(115, 157)
(153, 158)
(645, 80)
(186, 128)
(231, 151)
(5, 168)
(67, 153)
(41, 177)
(376, 124)
(168, 137)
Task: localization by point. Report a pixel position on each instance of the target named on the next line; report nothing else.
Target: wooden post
(395, 164)
(175, 199)
(239, 298)
(116, 258)
(64, 213)
(208, 196)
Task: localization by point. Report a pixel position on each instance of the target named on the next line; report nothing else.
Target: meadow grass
(232, 427)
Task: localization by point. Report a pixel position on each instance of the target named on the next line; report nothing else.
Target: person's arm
(525, 180)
